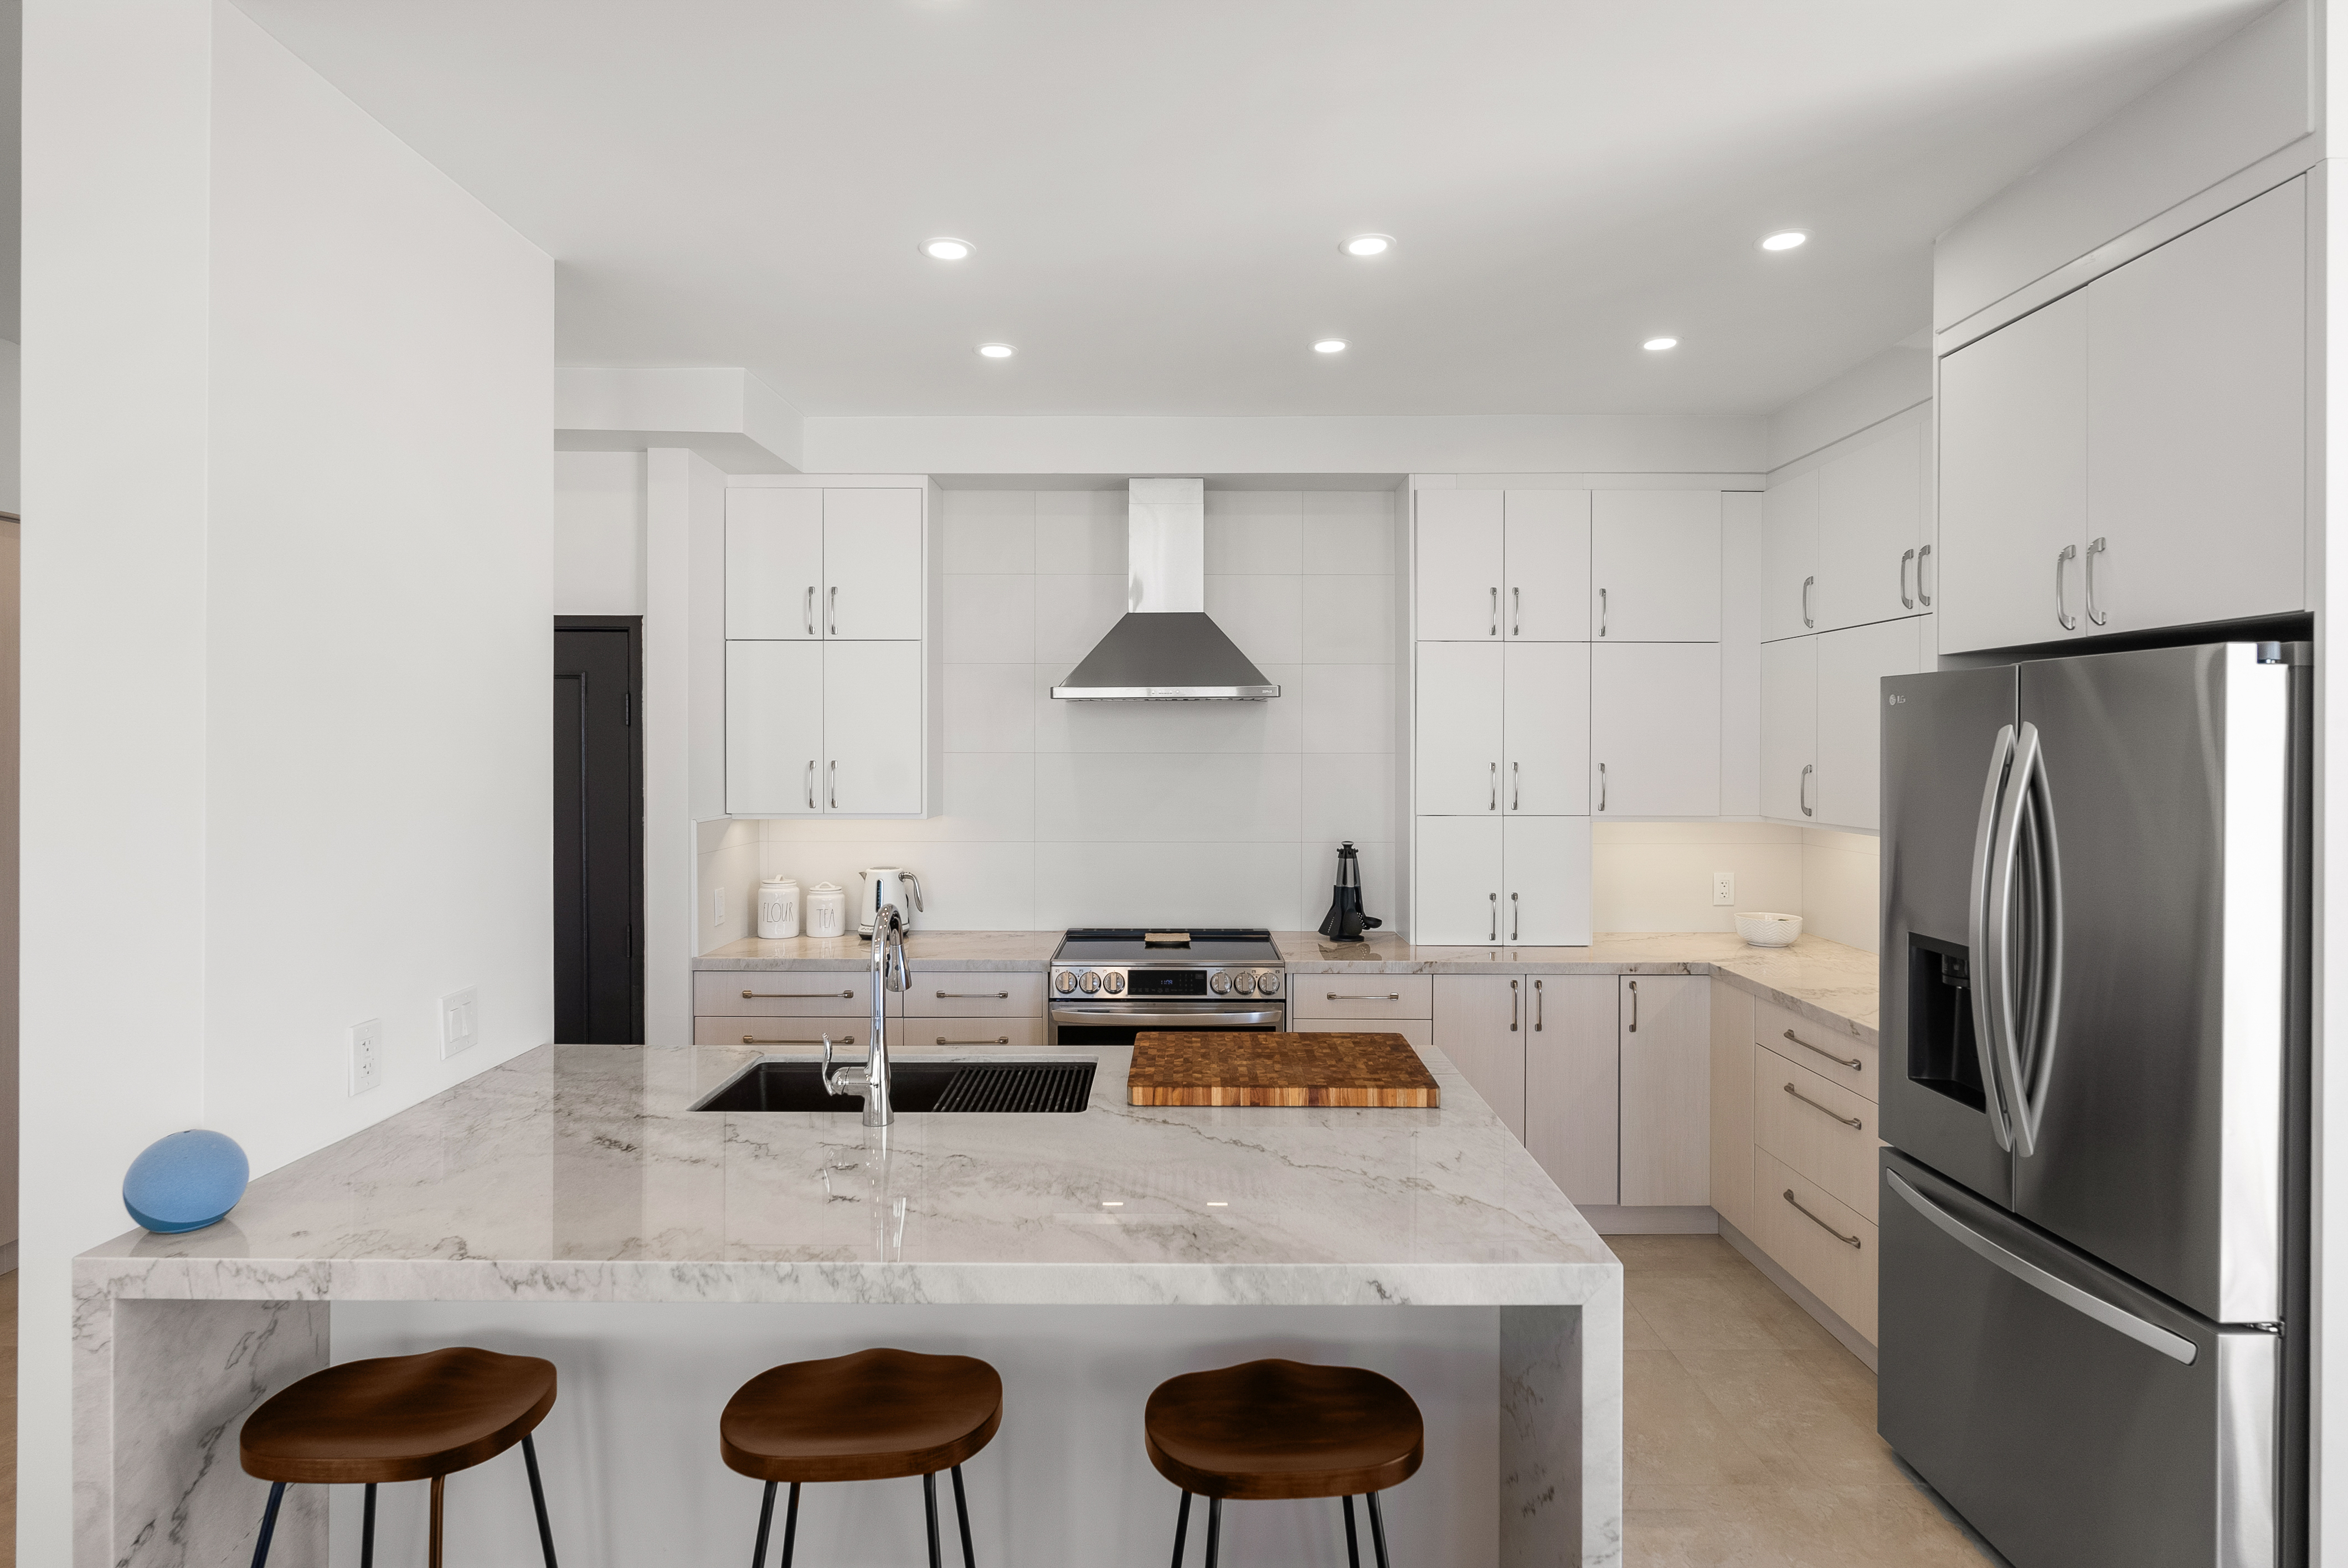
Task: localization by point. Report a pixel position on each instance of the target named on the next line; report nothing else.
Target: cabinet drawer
(1360, 996)
(1813, 1134)
(1826, 1051)
(995, 1033)
(1418, 1030)
(781, 1034)
(783, 993)
(1812, 1250)
(982, 994)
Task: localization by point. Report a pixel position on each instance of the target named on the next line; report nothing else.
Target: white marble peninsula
(578, 1174)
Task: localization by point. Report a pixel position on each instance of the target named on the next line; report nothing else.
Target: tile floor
(1750, 1431)
(9, 1420)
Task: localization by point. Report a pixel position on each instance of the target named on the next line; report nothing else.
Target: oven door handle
(1227, 1018)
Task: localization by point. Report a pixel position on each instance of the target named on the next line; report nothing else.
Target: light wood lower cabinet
(1732, 1105)
(782, 1034)
(1571, 1085)
(783, 993)
(1821, 1129)
(1418, 1030)
(1359, 996)
(1666, 1053)
(1818, 1239)
(976, 994)
(1479, 1024)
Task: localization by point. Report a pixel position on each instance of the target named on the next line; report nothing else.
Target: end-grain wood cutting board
(1235, 1067)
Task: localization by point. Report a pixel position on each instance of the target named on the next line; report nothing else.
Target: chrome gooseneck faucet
(871, 1081)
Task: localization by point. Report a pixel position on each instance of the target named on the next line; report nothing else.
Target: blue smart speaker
(186, 1182)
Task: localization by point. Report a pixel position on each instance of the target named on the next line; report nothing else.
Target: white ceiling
(1158, 190)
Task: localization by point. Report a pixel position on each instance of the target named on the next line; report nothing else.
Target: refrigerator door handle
(2024, 1008)
(2176, 1346)
(1986, 939)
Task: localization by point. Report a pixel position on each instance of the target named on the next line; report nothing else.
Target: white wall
(1063, 814)
(11, 412)
(599, 533)
(319, 596)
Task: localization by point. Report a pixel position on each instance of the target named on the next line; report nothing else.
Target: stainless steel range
(1110, 985)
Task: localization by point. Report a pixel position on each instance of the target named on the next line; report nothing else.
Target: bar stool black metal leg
(366, 1530)
(1182, 1529)
(1378, 1531)
(766, 1519)
(791, 1524)
(930, 1506)
(538, 1500)
(1214, 1528)
(1352, 1541)
(268, 1523)
(961, 1516)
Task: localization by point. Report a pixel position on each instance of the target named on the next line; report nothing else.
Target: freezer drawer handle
(797, 996)
(1846, 1120)
(1849, 1241)
(1854, 1063)
(2176, 1346)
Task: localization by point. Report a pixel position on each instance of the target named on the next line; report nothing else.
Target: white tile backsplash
(1348, 620)
(990, 708)
(989, 531)
(1073, 613)
(990, 618)
(1842, 886)
(1264, 615)
(1118, 797)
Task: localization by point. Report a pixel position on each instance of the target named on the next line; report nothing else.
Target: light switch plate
(1723, 887)
(717, 906)
(460, 1015)
(366, 1055)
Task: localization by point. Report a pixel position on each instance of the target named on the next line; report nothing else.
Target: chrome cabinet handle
(833, 768)
(1634, 1007)
(1906, 601)
(1516, 612)
(1851, 1122)
(1921, 556)
(1496, 918)
(806, 609)
(1803, 793)
(2095, 547)
(1854, 1063)
(998, 1040)
(1602, 786)
(1365, 996)
(810, 784)
(1602, 612)
(1515, 913)
(1849, 1241)
(1495, 614)
(2061, 603)
(1515, 995)
(1808, 584)
(1540, 1006)
(1494, 804)
(1516, 789)
(835, 611)
(967, 995)
(837, 1040)
(796, 995)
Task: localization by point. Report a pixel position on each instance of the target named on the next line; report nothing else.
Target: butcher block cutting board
(1233, 1068)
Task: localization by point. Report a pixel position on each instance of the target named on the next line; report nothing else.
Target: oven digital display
(1165, 983)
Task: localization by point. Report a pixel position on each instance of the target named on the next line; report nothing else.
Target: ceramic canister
(779, 907)
(827, 910)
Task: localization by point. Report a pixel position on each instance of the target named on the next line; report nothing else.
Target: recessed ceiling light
(1657, 345)
(1330, 345)
(946, 248)
(1785, 241)
(995, 351)
(1369, 244)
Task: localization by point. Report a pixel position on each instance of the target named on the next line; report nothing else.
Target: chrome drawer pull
(998, 1040)
(978, 996)
(796, 995)
(1846, 1120)
(755, 1040)
(1366, 996)
(1849, 1241)
(1854, 1063)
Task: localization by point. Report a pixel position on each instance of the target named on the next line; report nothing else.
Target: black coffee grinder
(1345, 922)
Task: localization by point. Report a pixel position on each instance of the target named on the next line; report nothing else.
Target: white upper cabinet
(1461, 736)
(1789, 580)
(1546, 596)
(774, 728)
(1654, 566)
(871, 564)
(1456, 880)
(1458, 570)
(1546, 867)
(871, 743)
(774, 563)
(1870, 529)
(1654, 729)
(1852, 664)
(1789, 728)
(1481, 879)
(2197, 425)
(1545, 727)
(2014, 482)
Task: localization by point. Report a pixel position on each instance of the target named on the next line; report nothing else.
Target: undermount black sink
(916, 1084)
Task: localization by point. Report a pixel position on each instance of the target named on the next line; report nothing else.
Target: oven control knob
(1113, 982)
(1267, 984)
(1065, 982)
(1220, 983)
(1243, 982)
(1090, 981)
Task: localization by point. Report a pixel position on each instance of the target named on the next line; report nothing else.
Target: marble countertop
(576, 1172)
(1824, 981)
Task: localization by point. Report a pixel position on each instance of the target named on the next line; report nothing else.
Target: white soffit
(728, 416)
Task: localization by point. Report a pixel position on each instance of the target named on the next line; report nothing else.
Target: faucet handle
(840, 1077)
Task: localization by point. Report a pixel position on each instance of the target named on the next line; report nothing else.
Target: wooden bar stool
(399, 1418)
(1283, 1430)
(874, 1415)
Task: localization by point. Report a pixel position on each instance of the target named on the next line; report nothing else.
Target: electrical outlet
(1723, 887)
(366, 1055)
(717, 906)
(459, 1011)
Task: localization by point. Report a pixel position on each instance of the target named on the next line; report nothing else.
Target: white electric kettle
(888, 885)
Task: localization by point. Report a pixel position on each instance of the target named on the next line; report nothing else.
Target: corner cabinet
(833, 649)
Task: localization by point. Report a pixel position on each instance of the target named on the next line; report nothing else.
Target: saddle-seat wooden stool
(1283, 1430)
(399, 1418)
(874, 1415)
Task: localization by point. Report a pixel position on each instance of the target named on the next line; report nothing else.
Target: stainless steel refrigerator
(2094, 984)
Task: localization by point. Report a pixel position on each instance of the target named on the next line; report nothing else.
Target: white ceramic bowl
(1765, 928)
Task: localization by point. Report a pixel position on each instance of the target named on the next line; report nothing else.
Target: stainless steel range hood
(1165, 649)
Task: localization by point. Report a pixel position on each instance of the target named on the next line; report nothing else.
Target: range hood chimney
(1165, 649)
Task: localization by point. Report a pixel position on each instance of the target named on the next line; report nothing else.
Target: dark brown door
(599, 816)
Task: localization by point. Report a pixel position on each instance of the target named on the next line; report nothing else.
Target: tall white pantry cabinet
(1565, 651)
(834, 647)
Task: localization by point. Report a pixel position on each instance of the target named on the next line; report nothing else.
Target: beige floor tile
(1779, 1409)
(1672, 1434)
(1637, 1335)
(1655, 1256)
(1699, 1312)
(1899, 1524)
(1740, 1527)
